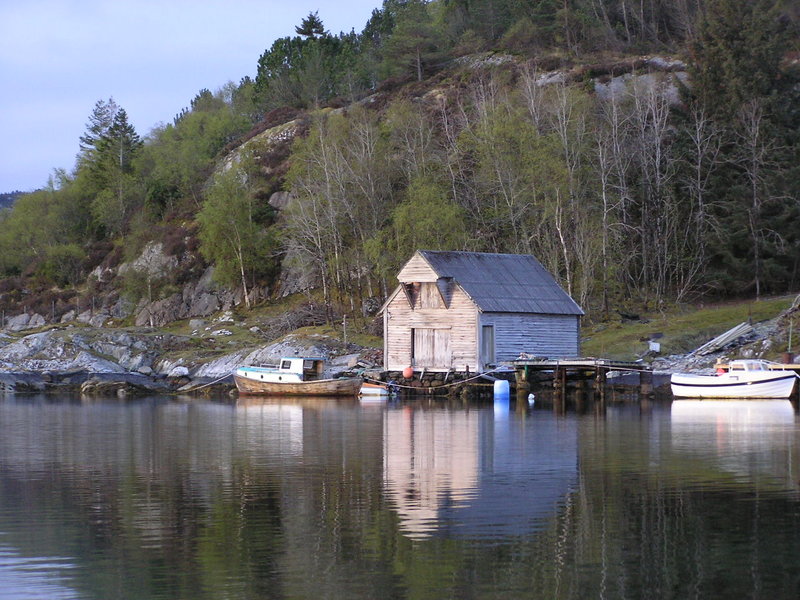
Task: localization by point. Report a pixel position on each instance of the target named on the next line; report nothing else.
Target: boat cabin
(745, 364)
(288, 370)
(307, 368)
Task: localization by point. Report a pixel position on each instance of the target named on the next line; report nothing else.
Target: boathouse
(470, 311)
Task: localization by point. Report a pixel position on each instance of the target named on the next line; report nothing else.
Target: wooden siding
(417, 269)
(430, 297)
(460, 320)
(553, 336)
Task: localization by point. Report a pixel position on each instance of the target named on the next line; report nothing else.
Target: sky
(59, 57)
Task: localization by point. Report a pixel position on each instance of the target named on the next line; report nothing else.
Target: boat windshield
(748, 365)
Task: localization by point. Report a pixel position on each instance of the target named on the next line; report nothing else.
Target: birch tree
(229, 234)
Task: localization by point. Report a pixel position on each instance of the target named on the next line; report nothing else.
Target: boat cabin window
(286, 364)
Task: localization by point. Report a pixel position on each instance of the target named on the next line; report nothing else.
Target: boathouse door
(430, 348)
(487, 345)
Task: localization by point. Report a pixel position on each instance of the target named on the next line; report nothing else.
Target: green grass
(683, 329)
(354, 336)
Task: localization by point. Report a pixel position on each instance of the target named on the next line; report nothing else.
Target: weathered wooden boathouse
(470, 311)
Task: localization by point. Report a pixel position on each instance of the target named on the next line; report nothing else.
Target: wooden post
(560, 390)
(645, 383)
(600, 383)
(580, 393)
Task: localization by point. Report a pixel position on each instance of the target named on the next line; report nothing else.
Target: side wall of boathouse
(520, 334)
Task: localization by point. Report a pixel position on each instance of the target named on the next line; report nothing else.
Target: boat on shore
(741, 379)
(294, 377)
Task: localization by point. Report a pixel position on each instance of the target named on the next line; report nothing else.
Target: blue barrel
(501, 388)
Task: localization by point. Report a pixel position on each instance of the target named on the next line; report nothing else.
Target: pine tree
(737, 54)
(99, 122)
(111, 171)
(311, 26)
(414, 43)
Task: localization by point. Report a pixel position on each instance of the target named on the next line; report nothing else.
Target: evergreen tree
(737, 54)
(414, 43)
(311, 26)
(738, 80)
(99, 122)
(112, 173)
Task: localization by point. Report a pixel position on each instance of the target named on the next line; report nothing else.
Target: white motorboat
(741, 379)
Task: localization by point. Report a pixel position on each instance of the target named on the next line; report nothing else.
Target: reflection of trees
(202, 501)
(650, 521)
(209, 501)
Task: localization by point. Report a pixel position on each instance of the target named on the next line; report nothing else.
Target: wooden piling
(645, 383)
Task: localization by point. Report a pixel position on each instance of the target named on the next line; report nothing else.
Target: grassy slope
(683, 329)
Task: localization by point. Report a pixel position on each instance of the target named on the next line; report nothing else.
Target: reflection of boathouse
(470, 310)
(475, 473)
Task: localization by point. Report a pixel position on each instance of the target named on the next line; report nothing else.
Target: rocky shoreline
(94, 361)
(77, 358)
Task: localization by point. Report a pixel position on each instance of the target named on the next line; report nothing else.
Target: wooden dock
(580, 369)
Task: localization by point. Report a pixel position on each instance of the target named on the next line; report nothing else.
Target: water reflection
(32, 578)
(476, 472)
(309, 497)
(752, 440)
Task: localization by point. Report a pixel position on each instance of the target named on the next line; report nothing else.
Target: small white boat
(294, 377)
(742, 379)
(376, 389)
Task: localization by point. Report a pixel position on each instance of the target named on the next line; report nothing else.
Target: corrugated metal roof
(504, 282)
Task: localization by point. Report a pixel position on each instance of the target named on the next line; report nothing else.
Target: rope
(445, 385)
(200, 387)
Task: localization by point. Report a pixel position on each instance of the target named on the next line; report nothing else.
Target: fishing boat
(741, 379)
(294, 377)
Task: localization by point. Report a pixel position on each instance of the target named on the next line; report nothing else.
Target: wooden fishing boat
(294, 377)
(742, 379)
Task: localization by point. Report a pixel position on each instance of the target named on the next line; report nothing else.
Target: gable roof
(515, 283)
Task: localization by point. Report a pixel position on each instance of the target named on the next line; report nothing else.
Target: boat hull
(347, 386)
(374, 389)
(769, 384)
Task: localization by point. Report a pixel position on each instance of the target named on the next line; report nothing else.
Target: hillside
(639, 179)
(681, 331)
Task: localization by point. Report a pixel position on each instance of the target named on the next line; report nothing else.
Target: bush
(62, 265)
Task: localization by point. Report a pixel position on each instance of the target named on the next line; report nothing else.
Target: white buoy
(531, 399)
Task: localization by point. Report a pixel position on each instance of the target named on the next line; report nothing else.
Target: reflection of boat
(294, 377)
(754, 442)
(296, 402)
(743, 379)
(739, 412)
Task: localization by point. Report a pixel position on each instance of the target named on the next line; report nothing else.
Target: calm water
(335, 499)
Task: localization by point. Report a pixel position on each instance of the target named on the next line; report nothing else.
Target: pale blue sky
(58, 57)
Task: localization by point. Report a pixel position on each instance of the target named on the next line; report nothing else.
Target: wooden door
(431, 348)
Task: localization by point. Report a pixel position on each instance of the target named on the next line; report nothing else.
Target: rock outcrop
(128, 362)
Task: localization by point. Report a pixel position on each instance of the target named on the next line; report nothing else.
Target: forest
(646, 153)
